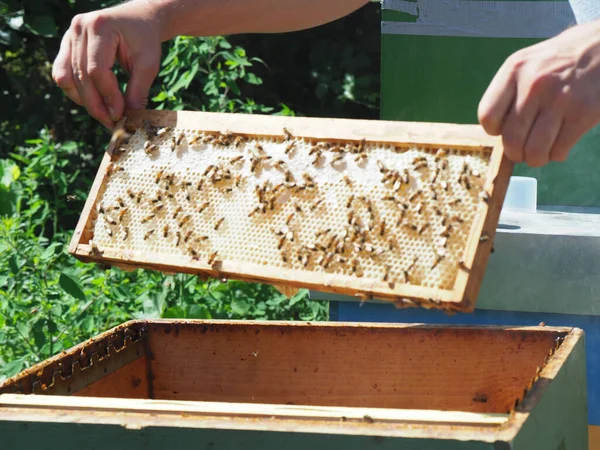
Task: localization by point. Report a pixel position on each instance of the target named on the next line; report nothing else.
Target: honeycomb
(382, 212)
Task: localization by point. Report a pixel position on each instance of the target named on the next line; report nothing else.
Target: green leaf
(71, 286)
(12, 263)
(87, 325)
(38, 333)
(50, 251)
(13, 367)
(41, 25)
(240, 307)
(253, 79)
(198, 312)
(174, 312)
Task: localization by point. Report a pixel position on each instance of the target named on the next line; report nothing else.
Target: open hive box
(404, 212)
(219, 384)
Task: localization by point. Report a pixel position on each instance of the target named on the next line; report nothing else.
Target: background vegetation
(50, 150)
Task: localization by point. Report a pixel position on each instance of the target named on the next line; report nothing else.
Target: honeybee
(284, 257)
(316, 204)
(94, 250)
(125, 233)
(322, 232)
(109, 231)
(414, 195)
(177, 238)
(419, 208)
(162, 131)
(110, 220)
(122, 214)
(150, 149)
(212, 258)
(166, 231)
(148, 218)
(438, 260)
(484, 237)
(290, 217)
(187, 236)
(185, 220)
(236, 159)
(382, 231)
(304, 259)
(203, 206)
(280, 165)
(194, 140)
(347, 180)
(101, 209)
(289, 176)
(287, 134)
(208, 169)
(483, 195)
(386, 274)
(349, 202)
(218, 223)
(290, 147)
(159, 175)
(254, 211)
(441, 153)
(179, 138)
(148, 234)
(280, 243)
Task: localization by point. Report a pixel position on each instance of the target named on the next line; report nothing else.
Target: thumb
(143, 73)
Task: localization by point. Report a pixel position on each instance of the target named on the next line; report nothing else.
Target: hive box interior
(415, 367)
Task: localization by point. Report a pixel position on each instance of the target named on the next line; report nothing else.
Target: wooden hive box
(225, 385)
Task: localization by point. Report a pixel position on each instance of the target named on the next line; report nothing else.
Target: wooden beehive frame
(432, 136)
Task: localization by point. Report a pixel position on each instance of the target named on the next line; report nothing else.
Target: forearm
(222, 17)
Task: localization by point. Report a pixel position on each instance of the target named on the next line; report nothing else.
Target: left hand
(546, 97)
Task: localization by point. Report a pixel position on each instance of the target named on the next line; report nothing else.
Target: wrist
(159, 14)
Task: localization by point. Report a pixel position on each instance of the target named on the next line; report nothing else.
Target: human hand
(546, 97)
(129, 33)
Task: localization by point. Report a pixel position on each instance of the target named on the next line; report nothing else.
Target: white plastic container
(521, 194)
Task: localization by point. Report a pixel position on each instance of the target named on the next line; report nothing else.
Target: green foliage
(48, 300)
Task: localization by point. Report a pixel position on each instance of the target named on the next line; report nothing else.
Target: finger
(568, 136)
(542, 136)
(497, 100)
(62, 73)
(143, 73)
(89, 95)
(517, 127)
(101, 58)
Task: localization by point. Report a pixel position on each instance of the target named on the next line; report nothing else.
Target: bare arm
(217, 17)
(132, 33)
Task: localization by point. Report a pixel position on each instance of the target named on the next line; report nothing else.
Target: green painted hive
(438, 58)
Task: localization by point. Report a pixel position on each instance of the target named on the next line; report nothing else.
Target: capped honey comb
(397, 211)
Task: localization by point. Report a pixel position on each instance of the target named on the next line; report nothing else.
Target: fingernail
(112, 114)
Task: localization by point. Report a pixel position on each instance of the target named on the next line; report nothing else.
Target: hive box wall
(293, 385)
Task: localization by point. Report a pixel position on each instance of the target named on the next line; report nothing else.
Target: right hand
(129, 33)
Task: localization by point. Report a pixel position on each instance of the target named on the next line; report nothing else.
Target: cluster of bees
(365, 234)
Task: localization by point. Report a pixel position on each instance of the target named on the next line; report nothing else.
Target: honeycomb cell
(381, 212)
